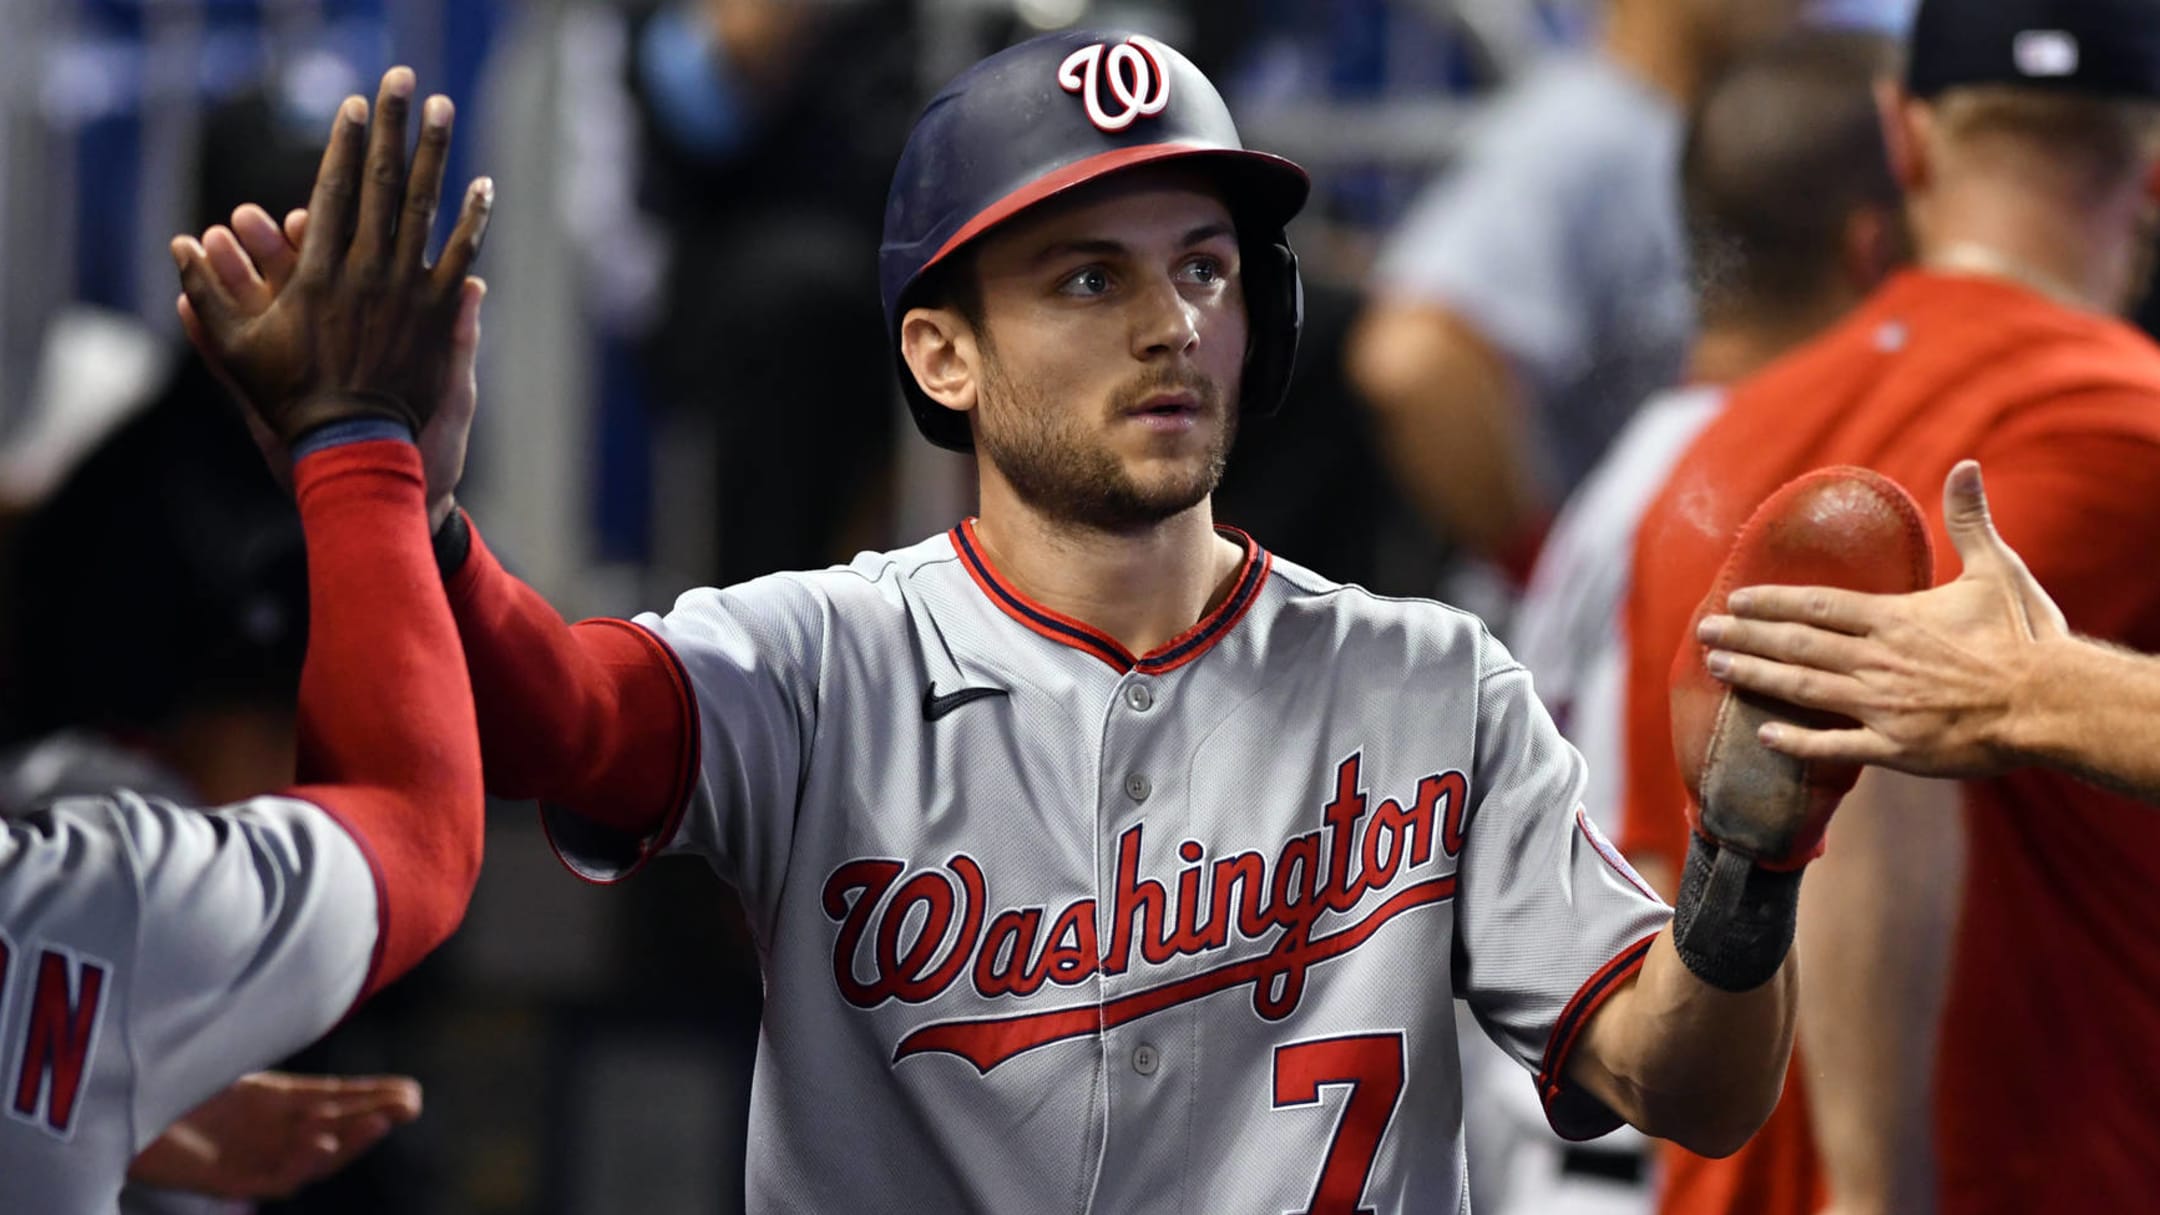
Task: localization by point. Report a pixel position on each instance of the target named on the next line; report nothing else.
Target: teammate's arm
(587, 716)
(248, 942)
(1966, 680)
(1878, 919)
(1451, 412)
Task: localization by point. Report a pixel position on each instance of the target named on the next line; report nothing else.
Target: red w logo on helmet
(1134, 75)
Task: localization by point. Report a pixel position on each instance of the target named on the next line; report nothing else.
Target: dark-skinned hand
(363, 326)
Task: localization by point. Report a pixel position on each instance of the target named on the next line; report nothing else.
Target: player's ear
(1906, 123)
(1875, 244)
(940, 351)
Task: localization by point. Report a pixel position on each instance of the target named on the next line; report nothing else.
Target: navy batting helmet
(1056, 112)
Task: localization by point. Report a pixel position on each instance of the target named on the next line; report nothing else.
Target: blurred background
(684, 381)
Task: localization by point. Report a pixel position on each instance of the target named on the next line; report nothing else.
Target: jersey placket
(1144, 815)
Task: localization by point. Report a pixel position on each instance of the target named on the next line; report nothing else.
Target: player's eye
(1086, 281)
(1205, 269)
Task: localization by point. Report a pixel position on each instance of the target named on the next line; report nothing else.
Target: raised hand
(356, 323)
(255, 257)
(269, 1134)
(1932, 678)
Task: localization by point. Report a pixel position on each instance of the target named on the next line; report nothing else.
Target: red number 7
(1372, 1065)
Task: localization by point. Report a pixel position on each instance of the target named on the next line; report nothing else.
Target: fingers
(1858, 746)
(1823, 606)
(336, 198)
(235, 270)
(347, 1141)
(265, 244)
(382, 194)
(466, 334)
(296, 222)
(333, 1097)
(214, 309)
(424, 187)
(1981, 548)
(1801, 686)
(471, 230)
(1965, 516)
(191, 325)
(1800, 644)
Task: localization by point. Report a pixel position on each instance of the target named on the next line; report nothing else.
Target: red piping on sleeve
(1591, 996)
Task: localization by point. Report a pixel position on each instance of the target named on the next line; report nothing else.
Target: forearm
(386, 718)
(1878, 918)
(2094, 710)
(1450, 418)
(1686, 1061)
(591, 717)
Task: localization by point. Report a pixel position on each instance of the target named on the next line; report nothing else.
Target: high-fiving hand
(357, 324)
(1931, 678)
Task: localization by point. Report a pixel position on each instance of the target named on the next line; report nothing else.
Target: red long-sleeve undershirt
(596, 717)
(386, 717)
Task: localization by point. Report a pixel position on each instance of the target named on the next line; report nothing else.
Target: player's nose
(1164, 321)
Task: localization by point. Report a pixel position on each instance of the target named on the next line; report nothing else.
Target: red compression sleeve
(595, 717)
(387, 742)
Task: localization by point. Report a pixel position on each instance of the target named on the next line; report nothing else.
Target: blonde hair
(2099, 143)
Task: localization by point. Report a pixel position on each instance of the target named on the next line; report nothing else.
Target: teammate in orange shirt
(1983, 987)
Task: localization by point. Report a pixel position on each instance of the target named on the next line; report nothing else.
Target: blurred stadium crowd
(686, 382)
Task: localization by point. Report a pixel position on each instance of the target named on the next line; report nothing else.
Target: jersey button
(1138, 696)
(1145, 1060)
(1137, 787)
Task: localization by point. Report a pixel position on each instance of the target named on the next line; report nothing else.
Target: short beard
(1042, 454)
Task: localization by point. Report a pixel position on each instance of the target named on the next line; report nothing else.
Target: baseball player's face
(1107, 369)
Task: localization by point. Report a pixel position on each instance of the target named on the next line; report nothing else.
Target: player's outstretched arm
(1967, 680)
(585, 716)
(1701, 1039)
(343, 361)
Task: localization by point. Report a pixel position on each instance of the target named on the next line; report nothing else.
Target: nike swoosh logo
(935, 706)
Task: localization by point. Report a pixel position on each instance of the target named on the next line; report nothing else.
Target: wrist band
(349, 430)
(1733, 922)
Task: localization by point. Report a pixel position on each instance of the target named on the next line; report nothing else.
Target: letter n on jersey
(57, 1036)
(1299, 903)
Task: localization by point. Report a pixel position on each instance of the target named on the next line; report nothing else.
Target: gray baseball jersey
(149, 955)
(1047, 926)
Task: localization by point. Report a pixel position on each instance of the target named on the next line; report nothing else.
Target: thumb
(470, 297)
(1966, 518)
(1972, 530)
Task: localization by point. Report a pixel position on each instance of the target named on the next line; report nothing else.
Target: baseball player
(1970, 680)
(1982, 981)
(151, 953)
(1099, 860)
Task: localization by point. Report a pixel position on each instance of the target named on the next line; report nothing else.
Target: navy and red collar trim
(1169, 656)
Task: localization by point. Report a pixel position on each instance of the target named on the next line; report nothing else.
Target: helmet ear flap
(1275, 313)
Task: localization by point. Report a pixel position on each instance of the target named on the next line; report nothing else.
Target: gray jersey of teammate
(1050, 927)
(1556, 234)
(149, 954)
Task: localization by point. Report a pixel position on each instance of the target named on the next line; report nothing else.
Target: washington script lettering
(1316, 874)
